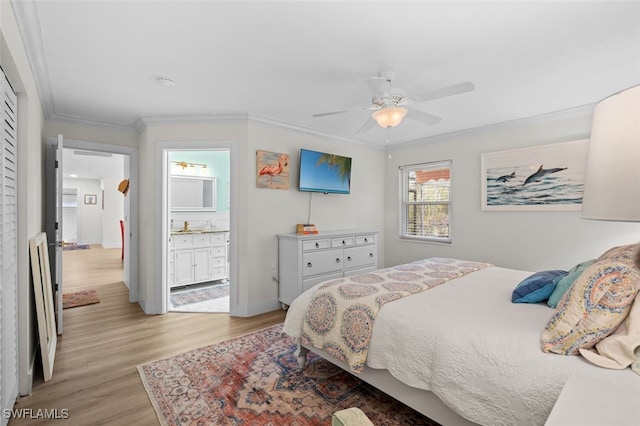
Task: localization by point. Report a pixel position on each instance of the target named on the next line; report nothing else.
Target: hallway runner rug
(75, 247)
(79, 298)
(187, 297)
(255, 380)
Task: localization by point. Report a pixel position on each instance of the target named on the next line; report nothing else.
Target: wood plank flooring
(94, 375)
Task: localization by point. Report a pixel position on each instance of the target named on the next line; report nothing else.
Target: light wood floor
(95, 375)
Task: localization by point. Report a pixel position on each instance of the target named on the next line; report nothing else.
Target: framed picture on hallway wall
(90, 199)
(544, 177)
(272, 170)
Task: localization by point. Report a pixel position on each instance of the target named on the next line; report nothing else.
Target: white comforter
(478, 352)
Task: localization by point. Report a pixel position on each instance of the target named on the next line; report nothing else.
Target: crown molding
(312, 132)
(564, 114)
(226, 118)
(28, 19)
(73, 119)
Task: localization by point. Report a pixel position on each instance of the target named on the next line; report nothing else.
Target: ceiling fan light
(389, 117)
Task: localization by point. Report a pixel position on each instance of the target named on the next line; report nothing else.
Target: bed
(462, 352)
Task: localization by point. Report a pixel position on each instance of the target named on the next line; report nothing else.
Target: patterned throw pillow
(537, 287)
(624, 254)
(598, 301)
(566, 282)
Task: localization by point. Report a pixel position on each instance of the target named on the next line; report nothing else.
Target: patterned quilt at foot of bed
(341, 314)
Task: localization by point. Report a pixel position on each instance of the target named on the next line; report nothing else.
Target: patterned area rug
(182, 298)
(75, 247)
(255, 380)
(79, 298)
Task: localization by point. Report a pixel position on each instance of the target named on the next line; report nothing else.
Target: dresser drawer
(183, 240)
(218, 261)
(358, 257)
(201, 239)
(316, 244)
(342, 242)
(321, 262)
(365, 239)
(219, 238)
(310, 282)
(218, 251)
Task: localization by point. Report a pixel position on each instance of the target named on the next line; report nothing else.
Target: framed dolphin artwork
(543, 177)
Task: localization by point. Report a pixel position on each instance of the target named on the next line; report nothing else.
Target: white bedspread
(478, 352)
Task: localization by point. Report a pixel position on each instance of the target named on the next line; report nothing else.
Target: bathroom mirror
(193, 193)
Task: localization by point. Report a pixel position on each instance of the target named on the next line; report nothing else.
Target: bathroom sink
(199, 231)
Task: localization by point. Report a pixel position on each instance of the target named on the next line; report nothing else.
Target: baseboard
(256, 308)
(26, 386)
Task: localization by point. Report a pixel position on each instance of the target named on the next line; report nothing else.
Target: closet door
(8, 249)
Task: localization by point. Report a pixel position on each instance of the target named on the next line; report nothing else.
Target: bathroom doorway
(199, 231)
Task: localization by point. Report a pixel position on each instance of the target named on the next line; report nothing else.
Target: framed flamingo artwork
(272, 170)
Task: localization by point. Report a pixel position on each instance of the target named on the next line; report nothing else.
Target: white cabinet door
(202, 269)
(184, 267)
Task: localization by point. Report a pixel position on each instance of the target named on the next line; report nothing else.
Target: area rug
(76, 247)
(79, 298)
(255, 380)
(186, 297)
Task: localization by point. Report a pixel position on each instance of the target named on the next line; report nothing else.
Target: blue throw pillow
(566, 282)
(537, 287)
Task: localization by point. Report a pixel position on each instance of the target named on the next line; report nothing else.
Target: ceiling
(98, 61)
(83, 164)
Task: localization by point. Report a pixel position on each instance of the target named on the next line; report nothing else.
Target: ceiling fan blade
(423, 117)
(371, 107)
(366, 126)
(324, 114)
(463, 87)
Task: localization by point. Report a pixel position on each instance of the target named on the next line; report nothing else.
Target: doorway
(199, 219)
(91, 173)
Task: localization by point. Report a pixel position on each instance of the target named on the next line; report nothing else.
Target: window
(426, 201)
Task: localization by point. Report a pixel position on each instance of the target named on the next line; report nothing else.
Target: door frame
(163, 224)
(130, 272)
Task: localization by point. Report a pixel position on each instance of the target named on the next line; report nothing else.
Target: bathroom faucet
(186, 226)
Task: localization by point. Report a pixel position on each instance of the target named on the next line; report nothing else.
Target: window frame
(404, 200)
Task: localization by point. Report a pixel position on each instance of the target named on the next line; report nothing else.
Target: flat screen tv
(326, 173)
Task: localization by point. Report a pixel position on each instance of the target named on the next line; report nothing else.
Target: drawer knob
(370, 254)
(366, 240)
(337, 260)
(309, 265)
(317, 245)
(344, 243)
(349, 258)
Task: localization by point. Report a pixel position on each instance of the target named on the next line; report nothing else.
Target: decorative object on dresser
(305, 260)
(196, 257)
(306, 228)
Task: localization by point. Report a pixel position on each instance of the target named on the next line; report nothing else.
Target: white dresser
(198, 257)
(305, 260)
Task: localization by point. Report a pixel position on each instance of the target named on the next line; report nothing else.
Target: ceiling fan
(389, 108)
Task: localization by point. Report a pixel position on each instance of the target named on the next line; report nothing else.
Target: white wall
(273, 211)
(112, 214)
(522, 240)
(259, 214)
(89, 215)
